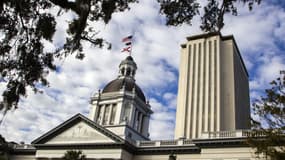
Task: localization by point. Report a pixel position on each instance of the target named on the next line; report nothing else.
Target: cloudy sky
(260, 35)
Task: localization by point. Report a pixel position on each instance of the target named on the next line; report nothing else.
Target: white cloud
(156, 52)
(171, 98)
(161, 120)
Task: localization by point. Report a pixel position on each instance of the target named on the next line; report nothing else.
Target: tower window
(106, 114)
(122, 71)
(137, 121)
(100, 114)
(113, 113)
(126, 115)
(128, 71)
(142, 124)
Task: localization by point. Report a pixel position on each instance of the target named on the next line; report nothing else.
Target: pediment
(78, 130)
(80, 133)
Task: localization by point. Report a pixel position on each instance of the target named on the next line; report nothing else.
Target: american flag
(128, 44)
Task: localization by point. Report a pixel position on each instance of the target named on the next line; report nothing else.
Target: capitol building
(212, 114)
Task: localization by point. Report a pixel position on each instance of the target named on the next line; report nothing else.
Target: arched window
(128, 71)
(122, 71)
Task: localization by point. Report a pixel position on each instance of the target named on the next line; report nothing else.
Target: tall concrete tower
(213, 91)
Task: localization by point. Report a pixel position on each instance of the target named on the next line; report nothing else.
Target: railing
(146, 143)
(206, 135)
(229, 134)
(168, 142)
(164, 143)
(187, 141)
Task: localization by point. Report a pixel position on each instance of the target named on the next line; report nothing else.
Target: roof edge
(227, 37)
(75, 119)
(203, 35)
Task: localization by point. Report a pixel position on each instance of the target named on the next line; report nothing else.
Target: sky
(260, 36)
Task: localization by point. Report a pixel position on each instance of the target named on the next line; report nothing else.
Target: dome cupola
(126, 79)
(127, 68)
(121, 106)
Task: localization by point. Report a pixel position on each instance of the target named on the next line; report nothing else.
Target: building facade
(212, 107)
(213, 90)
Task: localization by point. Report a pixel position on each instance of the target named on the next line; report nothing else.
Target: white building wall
(240, 153)
(22, 157)
(90, 153)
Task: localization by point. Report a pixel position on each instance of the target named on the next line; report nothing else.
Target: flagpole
(133, 35)
(130, 53)
(131, 49)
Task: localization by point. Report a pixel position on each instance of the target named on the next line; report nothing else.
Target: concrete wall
(22, 157)
(198, 101)
(242, 101)
(227, 87)
(242, 153)
(182, 103)
(213, 88)
(226, 153)
(90, 153)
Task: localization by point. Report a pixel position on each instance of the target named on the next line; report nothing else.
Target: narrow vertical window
(126, 113)
(100, 114)
(137, 121)
(113, 114)
(123, 71)
(142, 124)
(106, 115)
(128, 71)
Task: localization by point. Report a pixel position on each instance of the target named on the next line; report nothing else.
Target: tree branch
(221, 16)
(65, 4)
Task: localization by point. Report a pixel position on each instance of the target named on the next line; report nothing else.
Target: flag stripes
(128, 44)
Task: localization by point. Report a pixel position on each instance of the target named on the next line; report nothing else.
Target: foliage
(74, 155)
(178, 12)
(26, 24)
(3, 148)
(269, 122)
(3, 157)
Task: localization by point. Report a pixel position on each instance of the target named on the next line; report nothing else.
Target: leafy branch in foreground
(268, 124)
(73, 155)
(26, 24)
(178, 12)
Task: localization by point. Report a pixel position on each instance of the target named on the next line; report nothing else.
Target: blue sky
(260, 35)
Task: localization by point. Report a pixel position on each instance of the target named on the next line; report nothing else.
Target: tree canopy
(178, 12)
(25, 24)
(268, 124)
(74, 155)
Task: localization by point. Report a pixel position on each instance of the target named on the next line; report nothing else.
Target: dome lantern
(127, 68)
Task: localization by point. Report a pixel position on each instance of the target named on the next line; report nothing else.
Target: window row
(106, 114)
